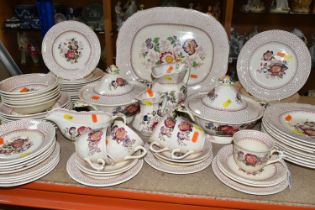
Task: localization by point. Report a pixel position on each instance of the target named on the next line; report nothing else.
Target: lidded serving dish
(113, 93)
(223, 110)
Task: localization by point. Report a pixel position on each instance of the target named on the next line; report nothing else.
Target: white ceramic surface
(71, 50)
(82, 178)
(273, 65)
(160, 34)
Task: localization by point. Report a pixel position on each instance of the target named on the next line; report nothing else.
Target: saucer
(75, 173)
(109, 170)
(248, 189)
(271, 175)
(205, 153)
(175, 169)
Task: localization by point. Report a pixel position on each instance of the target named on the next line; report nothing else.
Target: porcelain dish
(165, 34)
(71, 50)
(223, 110)
(273, 65)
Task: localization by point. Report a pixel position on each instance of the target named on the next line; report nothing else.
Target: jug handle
(119, 116)
(183, 109)
(187, 76)
(84, 104)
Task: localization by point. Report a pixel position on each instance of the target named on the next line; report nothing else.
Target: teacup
(179, 136)
(91, 147)
(253, 150)
(123, 143)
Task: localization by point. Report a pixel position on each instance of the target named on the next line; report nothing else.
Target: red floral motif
(170, 122)
(277, 69)
(251, 159)
(120, 134)
(120, 82)
(132, 109)
(83, 129)
(185, 126)
(95, 136)
(268, 55)
(227, 129)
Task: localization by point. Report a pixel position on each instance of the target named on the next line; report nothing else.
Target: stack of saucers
(111, 175)
(292, 125)
(28, 151)
(30, 93)
(273, 179)
(8, 114)
(72, 87)
(193, 163)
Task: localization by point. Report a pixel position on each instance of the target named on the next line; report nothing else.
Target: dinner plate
(248, 189)
(24, 139)
(295, 120)
(273, 65)
(271, 174)
(77, 175)
(71, 50)
(169, 34)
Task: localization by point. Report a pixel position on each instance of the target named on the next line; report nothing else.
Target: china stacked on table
(178, 146)
(28, 151)
(292, 126)
(71, 51)
(251, 164)
(113, 94)
(30, 96)
(72, 87)
(272, 66)
(107, 156)
(223, 111)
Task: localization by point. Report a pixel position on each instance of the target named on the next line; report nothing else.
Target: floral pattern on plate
(274, 65)
(71, 49)
(15, 146)
(156, 51)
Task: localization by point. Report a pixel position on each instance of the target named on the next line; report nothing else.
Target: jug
(73, 124)
(150, 112)
(170, 81)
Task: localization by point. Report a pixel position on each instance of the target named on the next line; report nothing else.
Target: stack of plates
(191, 164)
(8, 114)
(30, 93)
(272, 179)
(28, 151)
(80, 171)
(292, 125)
(72, 87)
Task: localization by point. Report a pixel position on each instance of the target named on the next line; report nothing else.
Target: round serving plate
(71, 50)
(167, 35)
(273, 65)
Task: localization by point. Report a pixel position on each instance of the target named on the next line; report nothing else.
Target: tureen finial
(112, 69)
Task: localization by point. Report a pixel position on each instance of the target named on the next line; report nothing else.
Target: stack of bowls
(30, 93)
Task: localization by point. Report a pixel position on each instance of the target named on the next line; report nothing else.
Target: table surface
(203, 184)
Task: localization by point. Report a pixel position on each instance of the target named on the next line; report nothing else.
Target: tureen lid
(224, 97)
(149, 95)
(112, 83)
(225, 104)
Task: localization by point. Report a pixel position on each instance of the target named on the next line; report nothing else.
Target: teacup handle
(95, 166)
(84, 104)
(278, 158)
(119, 116)
(176, 157)
(142, 154)
(157, 150)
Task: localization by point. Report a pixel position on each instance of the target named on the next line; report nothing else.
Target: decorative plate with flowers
(16, 145)
(71, 50)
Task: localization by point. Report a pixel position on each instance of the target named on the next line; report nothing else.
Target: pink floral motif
(167, 129)
(268, 55)
(308, 128)
(71, 49)
(119, 82)
(15, 146)
(190, 46)
(251, 159)
(185, 128)
(227, 129)
(94, 138)
(120, 135)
